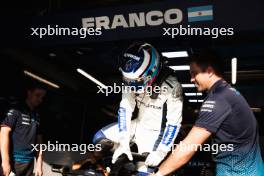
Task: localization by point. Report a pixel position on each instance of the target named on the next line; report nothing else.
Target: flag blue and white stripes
(200, 13)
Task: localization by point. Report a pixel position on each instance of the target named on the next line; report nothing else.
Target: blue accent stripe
(23, 160)
(99, 135)
(122, 119)
(200, 8)
(152, 64)
(142, 174)
(154, 73)
(149, 170)
(23, 156)
(200, 18)
(169, 134)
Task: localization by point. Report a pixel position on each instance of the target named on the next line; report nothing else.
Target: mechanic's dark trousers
(23, 169)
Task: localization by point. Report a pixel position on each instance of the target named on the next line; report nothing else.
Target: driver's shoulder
(171, 82)
(172, 86)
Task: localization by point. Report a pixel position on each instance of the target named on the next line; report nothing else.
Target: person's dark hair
(208, 57)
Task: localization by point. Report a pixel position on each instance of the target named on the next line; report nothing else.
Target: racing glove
(155, 157)
(123, 148)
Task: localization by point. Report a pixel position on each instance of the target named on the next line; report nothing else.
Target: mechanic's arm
(5, 142)
(39, 159)
(180, 156)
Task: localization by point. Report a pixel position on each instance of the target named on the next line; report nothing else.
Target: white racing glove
(123, 148)
(155, 157)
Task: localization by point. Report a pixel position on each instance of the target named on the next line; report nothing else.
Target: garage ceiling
(59, 63)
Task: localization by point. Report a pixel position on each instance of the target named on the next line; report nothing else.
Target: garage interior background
(74, 112)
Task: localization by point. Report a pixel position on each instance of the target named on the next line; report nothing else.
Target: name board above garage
(132, 20)
(166, 19)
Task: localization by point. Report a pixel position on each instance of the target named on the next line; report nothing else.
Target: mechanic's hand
(38, 171)
(123, 148)
(6, 168)
(155, 157)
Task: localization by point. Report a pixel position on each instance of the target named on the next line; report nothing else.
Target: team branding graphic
(148, 105)
(11, 113)
(26, 120)
(208, 106)
(122, 119)
(201, 13)
(169, 134)
(140, 19)
(151, 18)
(132, 56)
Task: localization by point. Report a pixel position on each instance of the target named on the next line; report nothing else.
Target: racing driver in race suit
(156, 93)
(159, 112)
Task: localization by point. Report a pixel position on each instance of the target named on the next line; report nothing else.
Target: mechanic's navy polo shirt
(25, 127)
(227, 115)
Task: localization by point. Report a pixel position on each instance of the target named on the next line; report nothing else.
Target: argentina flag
(201, 13)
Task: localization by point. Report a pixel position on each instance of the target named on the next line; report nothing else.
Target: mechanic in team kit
(159, 114)
(226, 116)
(19, 130)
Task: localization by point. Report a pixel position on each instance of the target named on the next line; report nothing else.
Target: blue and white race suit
(158, 121)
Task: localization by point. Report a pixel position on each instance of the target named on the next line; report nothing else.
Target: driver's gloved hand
(123, 148)
(155, 157)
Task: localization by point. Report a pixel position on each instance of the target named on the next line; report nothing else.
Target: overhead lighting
(41, 79)
(180, 67)
(188, 85)
(193, 94)
(91, 78)
(175, 54)
(79, 52)
(234, 70)
(52, 54)
(256, 109)
(195, 101)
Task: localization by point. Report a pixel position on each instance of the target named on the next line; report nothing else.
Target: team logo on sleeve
(122, 119)
(169, 134)
(208, 106)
